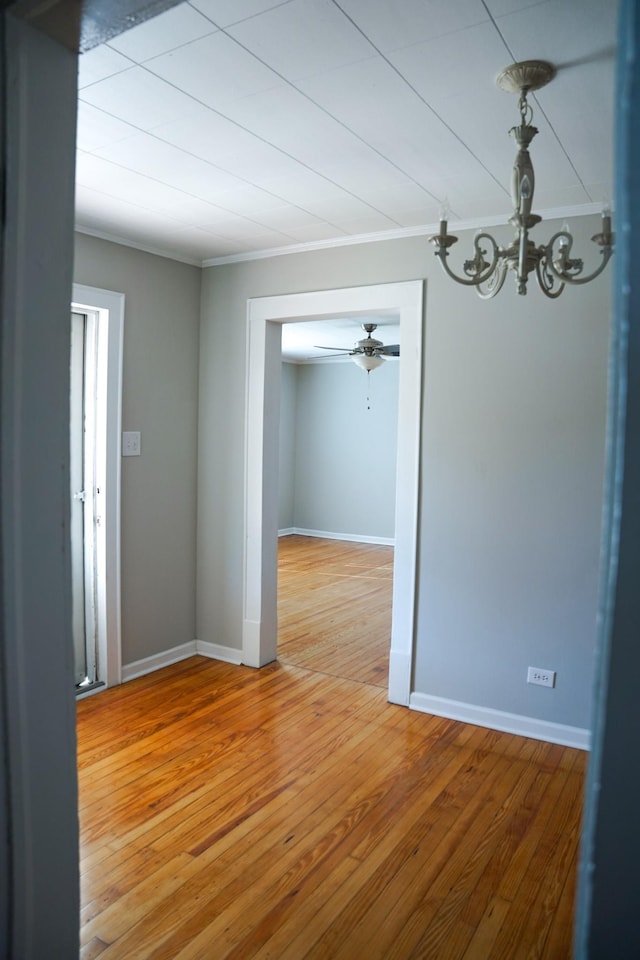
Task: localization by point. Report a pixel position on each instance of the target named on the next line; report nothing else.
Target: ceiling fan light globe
(368, 363)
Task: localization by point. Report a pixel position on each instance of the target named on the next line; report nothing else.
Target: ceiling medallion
(552, 263)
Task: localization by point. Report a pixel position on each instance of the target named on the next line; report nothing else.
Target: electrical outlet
(545, 678)
(131, 443)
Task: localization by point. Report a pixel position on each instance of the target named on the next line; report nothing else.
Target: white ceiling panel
(100, 63)
(214, 70)
(288, 218)
(127, 184)
(171, 29)
(374, 224)
(315, 232)
(549, 196)
(98, 129)
(498, 8)
(562, 31)
(371, 99)
(303, 38)
(250, 201)
(219, 141)
(318, 196)
(229, 225)
(198, 243)
(139, 98)
(229, 127)
(226, 12)
(368, 180)
(402, 200)
(207, 134)
(114, 214)
(290, 121)
(600, 193)
(390, 25)
(166, 163)
(470, 59)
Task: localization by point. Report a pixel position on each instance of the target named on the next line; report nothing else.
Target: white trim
(216, 652)
(265, 317)
(110, 308)
(400, 664)
(516, 723)
(138, 668)
(327, 535)
(399, 233)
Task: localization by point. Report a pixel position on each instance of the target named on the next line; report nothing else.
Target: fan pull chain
(368, 382)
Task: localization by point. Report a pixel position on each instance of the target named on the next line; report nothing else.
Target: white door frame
(109, 307)
(265, 317)
(84, 438)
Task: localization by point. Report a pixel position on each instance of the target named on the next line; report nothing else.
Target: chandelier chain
(526, 111)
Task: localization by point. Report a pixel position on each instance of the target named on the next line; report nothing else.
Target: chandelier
(552, 262)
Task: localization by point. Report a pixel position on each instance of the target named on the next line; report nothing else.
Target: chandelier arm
(484, 269)
(494, 283)
(546, 283)
(562, 275)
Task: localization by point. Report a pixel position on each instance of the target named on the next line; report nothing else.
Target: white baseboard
(499, 720)
(328, 535)
(147, 665)
(399, 674)
(215, 652)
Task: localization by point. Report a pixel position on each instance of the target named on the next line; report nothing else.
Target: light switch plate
(131, 443)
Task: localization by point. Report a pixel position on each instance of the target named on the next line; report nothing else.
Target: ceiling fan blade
(319, 346)
(344, 353)
(390, 350)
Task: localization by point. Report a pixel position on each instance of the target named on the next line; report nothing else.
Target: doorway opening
(265, 318)
(97, 318)
(336, 494)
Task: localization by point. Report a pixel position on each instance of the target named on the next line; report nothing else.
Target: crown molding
(400, 233)
(143, 247)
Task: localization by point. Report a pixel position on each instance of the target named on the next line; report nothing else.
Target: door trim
(109, 306)
(265, 317)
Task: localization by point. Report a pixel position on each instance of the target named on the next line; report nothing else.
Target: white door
(82, 418)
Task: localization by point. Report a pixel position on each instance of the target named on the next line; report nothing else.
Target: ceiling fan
(368, 353)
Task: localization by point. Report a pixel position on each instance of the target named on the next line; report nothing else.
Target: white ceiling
(227, 128)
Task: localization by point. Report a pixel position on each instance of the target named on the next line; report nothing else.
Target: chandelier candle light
(553, 264)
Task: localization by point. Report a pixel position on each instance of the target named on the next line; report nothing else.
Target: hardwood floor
(334, 607)
(283, 813)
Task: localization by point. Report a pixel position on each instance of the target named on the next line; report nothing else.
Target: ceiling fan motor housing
(368, 346)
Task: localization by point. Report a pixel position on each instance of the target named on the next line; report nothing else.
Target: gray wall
(346, 449)
(512, 470)
(287, 463)
(159, 398)
(513, 460)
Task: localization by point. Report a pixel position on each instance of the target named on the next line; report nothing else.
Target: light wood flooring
(334, 607)
(289, 814)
